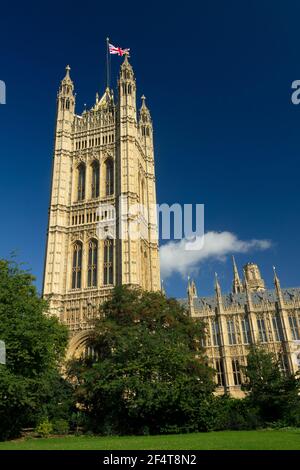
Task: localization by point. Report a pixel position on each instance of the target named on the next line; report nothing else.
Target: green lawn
(226, 440)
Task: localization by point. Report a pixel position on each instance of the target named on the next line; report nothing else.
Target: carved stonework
(78, 236)
(108, 130)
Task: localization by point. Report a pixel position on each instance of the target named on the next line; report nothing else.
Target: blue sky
(217, 77)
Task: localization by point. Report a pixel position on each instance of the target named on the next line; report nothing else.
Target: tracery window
(77, 265)
(108, 261)
(237, 378)
(294, 327)
(216, 333)
(81, 182)
(246, 330)
(95, 179)
(231, 332)
(262, 330)
(92, 263)
(109, 177)
(220, 372)
(276, 328)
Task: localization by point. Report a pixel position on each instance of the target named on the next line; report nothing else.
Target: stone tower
(102, 227)
(253, 277)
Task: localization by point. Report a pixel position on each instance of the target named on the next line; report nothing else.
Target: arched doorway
(77, 345)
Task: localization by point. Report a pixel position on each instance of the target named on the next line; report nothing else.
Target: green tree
(150, 374)
(35, 345)
(273, 393)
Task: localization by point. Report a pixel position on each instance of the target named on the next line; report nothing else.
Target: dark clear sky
(217, 76)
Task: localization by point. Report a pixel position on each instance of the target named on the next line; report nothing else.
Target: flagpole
(107, 62)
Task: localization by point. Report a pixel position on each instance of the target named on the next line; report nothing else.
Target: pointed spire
(217, 285)
(67, 79)
(237, 285)
(191, 294)
(145, 119)
(106, 100)
(65, 95)
(235, 269)
(126, 64)
(277, 286)
(191, 290)
(245, 280)
(127, 91)
(144, 111)
(218, 294)
(279, 292)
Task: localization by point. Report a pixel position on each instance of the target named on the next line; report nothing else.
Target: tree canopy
(150, 372)
(274, 393)
(35, 345)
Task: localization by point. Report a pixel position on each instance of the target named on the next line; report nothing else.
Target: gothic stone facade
(102, 158)
(249, 314)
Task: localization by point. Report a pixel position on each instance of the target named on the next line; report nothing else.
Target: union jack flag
(118, 50)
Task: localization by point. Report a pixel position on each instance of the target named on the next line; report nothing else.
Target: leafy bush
(235, 414)
(44, 428)
(61, 426)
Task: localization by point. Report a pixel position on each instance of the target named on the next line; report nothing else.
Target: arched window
(92, 263)
(109, 177)
(81, 182)
(95, 179)
(108, 261)
(77, 265)
(221, 380)
(236, 372)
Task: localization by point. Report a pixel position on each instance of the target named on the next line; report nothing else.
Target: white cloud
(175, 258)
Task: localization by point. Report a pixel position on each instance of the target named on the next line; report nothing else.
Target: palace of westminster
(102, 157)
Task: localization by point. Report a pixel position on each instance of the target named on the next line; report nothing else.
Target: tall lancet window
(95, 179)
(77, 265)
(92, 263)
(81, 182)
(108, 273)
(109, 177)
